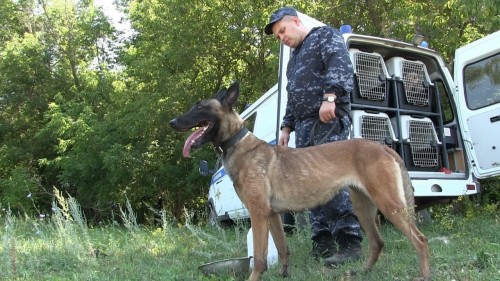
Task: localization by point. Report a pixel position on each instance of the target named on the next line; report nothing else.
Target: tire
(212, 217)
(424, 217)
(213, 221)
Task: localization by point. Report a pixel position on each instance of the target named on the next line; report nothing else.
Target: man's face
(286, 30)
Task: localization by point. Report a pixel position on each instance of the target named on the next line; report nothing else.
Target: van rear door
(477, 96)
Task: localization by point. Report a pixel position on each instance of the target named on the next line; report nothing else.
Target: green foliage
(85, 112)
(461, 211)
(21, 190)
(490, 190)
(464, 209)
(446, 24)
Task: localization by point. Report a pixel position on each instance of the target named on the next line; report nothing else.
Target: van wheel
(212, 218)
(424, 217)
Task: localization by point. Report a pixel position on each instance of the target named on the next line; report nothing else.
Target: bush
(20, 190)
(461, 211)
(491, 190)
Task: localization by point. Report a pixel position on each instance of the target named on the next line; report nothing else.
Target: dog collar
(233, 140)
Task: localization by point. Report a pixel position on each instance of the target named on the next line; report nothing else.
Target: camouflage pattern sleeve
(288, 118)
(338, 66)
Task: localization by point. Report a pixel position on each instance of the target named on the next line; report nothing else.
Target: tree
(45, 72)
(73, 117)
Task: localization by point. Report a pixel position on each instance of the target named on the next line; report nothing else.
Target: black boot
(323, 246)
(349, 250)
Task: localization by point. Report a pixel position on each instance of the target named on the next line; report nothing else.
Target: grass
(63, 247)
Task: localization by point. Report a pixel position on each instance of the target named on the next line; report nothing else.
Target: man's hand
(285, 136)
(327, 111)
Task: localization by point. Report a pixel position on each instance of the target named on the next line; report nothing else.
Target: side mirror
(203, 168)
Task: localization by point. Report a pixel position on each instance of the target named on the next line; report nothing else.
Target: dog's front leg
(260, 231)
(276, 227)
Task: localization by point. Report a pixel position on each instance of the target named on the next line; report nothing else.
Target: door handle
(495, 119)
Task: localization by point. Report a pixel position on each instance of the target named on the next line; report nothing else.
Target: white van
(447, 131)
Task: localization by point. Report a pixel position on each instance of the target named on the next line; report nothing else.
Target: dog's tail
(407, 185)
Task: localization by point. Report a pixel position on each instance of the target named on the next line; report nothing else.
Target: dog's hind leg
(260, 231)
(367, 215)
(407, 225)
(276, 227)
(396, 211)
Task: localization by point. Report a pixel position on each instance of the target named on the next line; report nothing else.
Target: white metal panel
(479, 105)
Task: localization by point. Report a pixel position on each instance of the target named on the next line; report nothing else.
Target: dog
(271, 179)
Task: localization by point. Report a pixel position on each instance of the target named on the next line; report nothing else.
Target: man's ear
(297, 21)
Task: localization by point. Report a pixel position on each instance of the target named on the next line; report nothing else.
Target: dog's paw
(254, 276)
(284, 271)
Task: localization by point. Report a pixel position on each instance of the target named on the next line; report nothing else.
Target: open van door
(477, 96)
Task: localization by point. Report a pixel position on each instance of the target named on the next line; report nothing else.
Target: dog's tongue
(190, 140)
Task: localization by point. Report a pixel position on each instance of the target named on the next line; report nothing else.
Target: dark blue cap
(278, 15)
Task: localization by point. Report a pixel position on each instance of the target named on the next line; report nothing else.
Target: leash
(232, 140)
(327, 135)
(341, 112)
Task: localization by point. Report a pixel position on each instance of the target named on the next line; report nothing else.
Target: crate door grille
(370, 75)
(423, 144)
(415, 83)
(376, 128)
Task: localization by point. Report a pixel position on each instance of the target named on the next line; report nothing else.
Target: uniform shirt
(320, 65)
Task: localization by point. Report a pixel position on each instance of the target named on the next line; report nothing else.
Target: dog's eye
(201, 104)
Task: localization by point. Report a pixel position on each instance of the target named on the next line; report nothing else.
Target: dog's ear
(220, 95)
(232, 94)
(229, 96)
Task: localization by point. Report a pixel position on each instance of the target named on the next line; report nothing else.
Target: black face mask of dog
(204, 116)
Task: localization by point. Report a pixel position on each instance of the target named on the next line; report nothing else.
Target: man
(320, 79)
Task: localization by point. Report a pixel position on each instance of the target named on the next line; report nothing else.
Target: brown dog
(274, 179)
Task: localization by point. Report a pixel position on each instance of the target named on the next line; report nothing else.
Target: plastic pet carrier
(420, 143)
(375, 126)
(371, 79)
(414, 88)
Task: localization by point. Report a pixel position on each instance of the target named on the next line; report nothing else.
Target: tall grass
(69, 228)
(129, 217)
(9, 245)
(63, 247)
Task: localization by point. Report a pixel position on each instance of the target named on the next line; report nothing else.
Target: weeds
(129, 217)
(13, 258)
(9, 244)
(70, 226)
(57, 248)
(463, 210)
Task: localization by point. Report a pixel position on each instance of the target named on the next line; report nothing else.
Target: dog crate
(420, 143)
(413, 85)
(370, 79)
(375, 126)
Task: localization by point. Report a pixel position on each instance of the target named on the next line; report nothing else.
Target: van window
(482, 82)
(444, 97)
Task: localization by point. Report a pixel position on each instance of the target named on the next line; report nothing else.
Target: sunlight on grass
(63, 247)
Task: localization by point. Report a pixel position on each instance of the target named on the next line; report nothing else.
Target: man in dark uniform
(320, 79)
